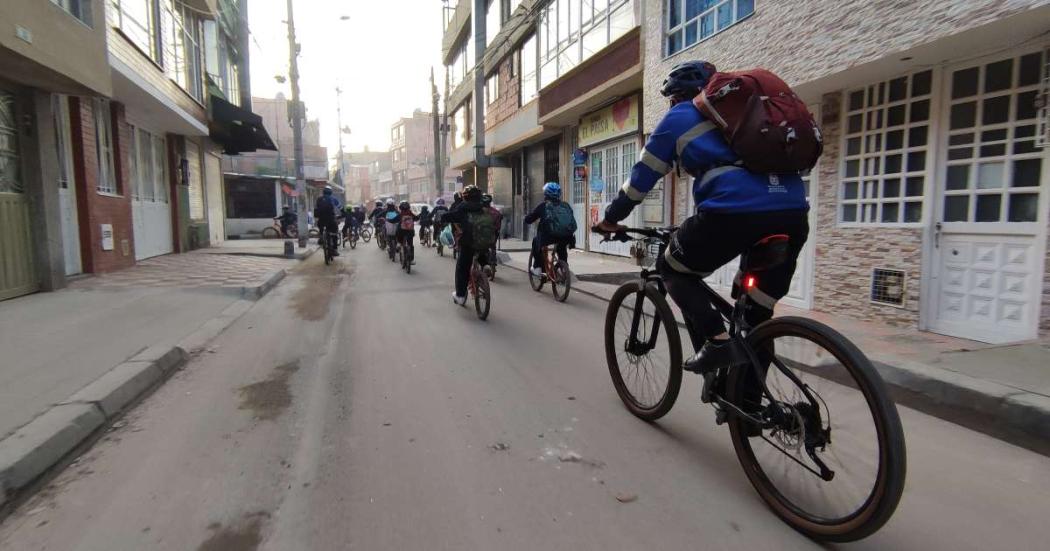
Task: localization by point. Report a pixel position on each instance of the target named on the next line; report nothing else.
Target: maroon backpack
(765, 123)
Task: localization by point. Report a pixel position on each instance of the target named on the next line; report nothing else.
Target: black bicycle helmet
(471, 193)
(686, 79)
(486, 199)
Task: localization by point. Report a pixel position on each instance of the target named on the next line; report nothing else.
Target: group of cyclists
(735, 207)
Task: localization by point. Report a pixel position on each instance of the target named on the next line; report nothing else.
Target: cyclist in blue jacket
(734, 209)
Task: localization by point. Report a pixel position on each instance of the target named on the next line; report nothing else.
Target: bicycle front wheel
(270, 233)
(561, 281)
(644, 350)
(834, 471)
(535, 281)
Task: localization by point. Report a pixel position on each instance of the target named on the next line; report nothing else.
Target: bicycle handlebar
(663, 234)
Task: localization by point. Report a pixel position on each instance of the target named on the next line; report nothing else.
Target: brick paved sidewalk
(190, 270)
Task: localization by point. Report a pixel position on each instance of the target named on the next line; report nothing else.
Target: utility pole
(439, 166)
(339, 121)
(481, 161)
(297, 128)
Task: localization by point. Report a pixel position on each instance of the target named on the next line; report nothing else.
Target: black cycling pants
(327, 224)
(561, 247)
(463, 262)
(707, 241)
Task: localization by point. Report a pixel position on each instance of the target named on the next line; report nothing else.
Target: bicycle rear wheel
(644, 350)
(561, 281)
(854, 432)
(535, 281)
(482, 293)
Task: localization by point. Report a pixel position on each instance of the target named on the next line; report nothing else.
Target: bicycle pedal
(705, 392)
(721, 416)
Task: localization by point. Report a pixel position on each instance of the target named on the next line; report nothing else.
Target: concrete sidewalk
(1001, 390)
(272, 248)
(74, 358)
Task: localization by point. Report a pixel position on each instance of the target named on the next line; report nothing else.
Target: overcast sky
(381, 58)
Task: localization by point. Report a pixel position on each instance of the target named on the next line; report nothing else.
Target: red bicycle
(478, 287)
(556, 271)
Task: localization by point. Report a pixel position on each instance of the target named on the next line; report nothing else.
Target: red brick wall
(94, 208)
(509, 84)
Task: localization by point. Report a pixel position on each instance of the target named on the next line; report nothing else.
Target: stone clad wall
(845, 256)
(835, 36)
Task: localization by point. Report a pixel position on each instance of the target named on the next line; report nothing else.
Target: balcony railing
(274, 167)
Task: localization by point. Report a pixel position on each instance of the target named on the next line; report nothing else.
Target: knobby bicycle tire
(562, 278)
(670, 328)
(535, 281)
(482, 293)
(889, 484)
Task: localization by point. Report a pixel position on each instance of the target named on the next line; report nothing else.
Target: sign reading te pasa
(618, 119)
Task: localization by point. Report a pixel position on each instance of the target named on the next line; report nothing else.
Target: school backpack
(407, 222)
(483, 229)
(559, 220)
(765, 123)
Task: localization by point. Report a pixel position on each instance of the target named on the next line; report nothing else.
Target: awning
(238, 130)
(289, 190)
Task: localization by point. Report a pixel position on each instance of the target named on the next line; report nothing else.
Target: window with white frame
(691, 21)
(571, 31)
(528, 71)
(148, 167)
(885, 151)
(461, 126)
(993, 171)
(492, 87)
(182, 47)
(137, 19)
(81, 9)
(493, 20)
(107, 177)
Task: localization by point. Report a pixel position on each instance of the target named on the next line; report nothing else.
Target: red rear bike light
(750, 282)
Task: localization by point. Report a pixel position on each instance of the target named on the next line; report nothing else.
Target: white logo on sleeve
(775, 185)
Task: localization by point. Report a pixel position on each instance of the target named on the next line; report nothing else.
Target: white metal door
(150, 199)
(213, 188)
(612, 164)
(67, 196)
(990, 224)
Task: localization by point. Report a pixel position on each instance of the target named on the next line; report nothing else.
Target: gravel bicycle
(555, 271)
(810, 419)
(478, 287)
(329, 244)
(406, 252)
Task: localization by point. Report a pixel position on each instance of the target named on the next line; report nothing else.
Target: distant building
(258, 184)
(412, 158)
(363, 168)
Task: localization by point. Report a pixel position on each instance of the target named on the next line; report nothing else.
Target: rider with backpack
(477, 233)
(557, 226)
(744, 138)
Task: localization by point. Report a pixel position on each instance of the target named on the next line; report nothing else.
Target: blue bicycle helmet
(551, 190)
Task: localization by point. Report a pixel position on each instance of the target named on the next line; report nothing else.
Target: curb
(270, 280)
(1004, 412)
(45, 441)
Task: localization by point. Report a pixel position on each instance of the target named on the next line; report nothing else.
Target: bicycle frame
(738, 330)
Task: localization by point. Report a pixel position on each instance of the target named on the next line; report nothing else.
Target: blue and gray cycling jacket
(686, 137)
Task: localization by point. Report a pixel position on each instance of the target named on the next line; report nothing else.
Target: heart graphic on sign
(621, 111)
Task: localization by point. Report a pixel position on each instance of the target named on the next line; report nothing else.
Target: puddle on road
(268, 399)
(245, 535)
(320, 283)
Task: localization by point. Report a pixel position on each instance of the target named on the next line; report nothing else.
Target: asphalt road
(356, 408)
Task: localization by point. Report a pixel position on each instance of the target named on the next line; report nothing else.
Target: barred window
(885, 151)
(692, 21)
